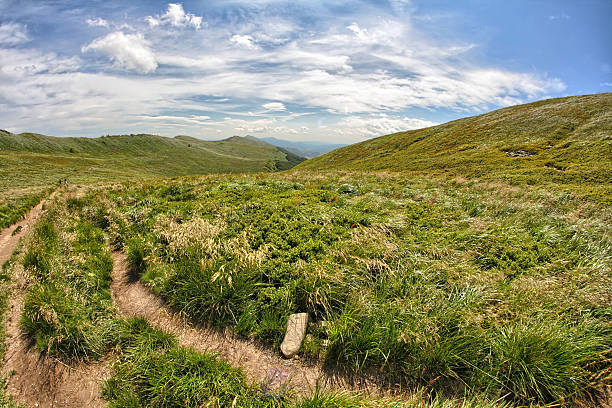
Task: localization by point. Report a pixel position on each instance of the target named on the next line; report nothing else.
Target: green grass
(5, 400)
(14, 205)
(569, 139)
(36, 160)
(155, 372)
(458, 269)
(475, 286)
(68, 311)
(68, 314)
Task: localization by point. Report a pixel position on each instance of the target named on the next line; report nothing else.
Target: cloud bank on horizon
(336, 71)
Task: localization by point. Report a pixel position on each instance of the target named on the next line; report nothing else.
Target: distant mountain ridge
(308, 149)
(34, 159)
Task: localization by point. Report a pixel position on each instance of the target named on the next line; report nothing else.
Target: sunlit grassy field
(478, 288)
(442, 265)
(564, 144)
(69, 314)
(31, 165)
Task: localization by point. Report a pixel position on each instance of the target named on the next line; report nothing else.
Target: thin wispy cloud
(97, 22)
(561, 16)
(300, 70)
(13, 34)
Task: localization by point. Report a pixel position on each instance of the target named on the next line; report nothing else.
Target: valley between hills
(467, 264)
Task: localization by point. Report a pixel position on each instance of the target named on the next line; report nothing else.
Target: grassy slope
(32, 159)
(571, 138)
(31, 163)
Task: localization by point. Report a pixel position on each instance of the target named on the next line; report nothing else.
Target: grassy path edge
(135, 300)
(32, 379)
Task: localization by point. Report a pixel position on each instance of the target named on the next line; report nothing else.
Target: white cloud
(128, 51)
(295, 56)
(175, 15)
(97, 22)
(360, 34)
(379, 125)
(202, 63)
(274, 107)
(13, 34)
(16, 64)
(243, 41)
(153, 22)
(177, 120)
(346, 75)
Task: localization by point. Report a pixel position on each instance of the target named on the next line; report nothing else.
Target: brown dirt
(34, 379)
(134, 299)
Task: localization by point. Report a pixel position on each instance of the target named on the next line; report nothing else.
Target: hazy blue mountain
(306, 149)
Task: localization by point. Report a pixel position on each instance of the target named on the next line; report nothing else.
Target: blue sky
(337, 71)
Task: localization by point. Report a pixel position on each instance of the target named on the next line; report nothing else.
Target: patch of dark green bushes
(420, 284)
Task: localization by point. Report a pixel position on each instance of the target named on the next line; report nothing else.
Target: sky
(337, 71)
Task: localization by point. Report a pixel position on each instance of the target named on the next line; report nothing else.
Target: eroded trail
(33, 379)
(134, 299)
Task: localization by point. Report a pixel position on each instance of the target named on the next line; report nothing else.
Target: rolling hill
(33, 159)
(564, 141)
(31, 164)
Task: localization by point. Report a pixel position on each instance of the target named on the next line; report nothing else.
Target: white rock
(296, 329)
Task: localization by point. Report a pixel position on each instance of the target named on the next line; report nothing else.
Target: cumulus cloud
(97, 22)
(175, 16)
(13, 34)
(243, 41)
(129, 51)
(274, 106)
(359, 33)
(378, 125)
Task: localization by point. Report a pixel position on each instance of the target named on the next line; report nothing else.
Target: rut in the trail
(35, 380)
(134, 299)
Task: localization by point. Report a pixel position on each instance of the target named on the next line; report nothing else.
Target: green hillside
(31, 163)
(29, 159)
(563, 141)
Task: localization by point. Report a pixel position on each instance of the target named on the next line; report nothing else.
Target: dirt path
(134, 299)
(35, 380)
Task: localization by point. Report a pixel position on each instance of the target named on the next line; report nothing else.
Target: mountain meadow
(31, 163)
(467, 264)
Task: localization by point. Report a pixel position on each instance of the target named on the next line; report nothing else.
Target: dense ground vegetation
(69, 315)
(476, 266)
(31, 165)
(476, 287)
(15, 204)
